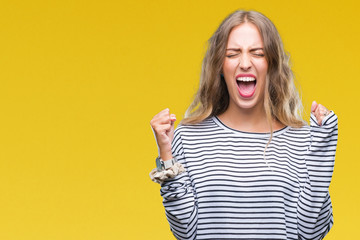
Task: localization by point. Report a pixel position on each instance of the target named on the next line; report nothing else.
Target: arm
(314, 209)
(179, 198)
(178, 195)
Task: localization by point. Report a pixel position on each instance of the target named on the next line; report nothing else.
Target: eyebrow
(239, 50)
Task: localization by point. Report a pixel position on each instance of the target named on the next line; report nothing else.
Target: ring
(326, 113)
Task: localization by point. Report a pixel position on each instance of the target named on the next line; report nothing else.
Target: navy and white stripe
(229, 191)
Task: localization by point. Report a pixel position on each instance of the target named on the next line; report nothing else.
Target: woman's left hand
(319, 111)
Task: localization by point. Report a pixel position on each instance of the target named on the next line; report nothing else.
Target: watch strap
(169, 163)
(163, 165)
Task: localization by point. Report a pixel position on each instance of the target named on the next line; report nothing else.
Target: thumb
(313, 106)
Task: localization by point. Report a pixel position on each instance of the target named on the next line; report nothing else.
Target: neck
(248, 120)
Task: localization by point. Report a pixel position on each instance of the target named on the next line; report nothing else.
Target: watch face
(158, 164)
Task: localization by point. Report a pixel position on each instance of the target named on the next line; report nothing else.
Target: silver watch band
(163, 165)
(169, 163)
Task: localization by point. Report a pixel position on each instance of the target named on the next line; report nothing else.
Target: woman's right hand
(163, 127)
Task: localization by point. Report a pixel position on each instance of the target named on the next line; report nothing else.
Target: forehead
(244, 35)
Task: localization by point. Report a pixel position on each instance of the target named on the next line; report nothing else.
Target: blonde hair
(281, 100)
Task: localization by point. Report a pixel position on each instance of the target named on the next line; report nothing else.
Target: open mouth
(246, 86)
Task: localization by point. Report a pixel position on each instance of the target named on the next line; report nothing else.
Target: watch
(163, 165)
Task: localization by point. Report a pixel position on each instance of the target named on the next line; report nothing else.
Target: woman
(243, 164)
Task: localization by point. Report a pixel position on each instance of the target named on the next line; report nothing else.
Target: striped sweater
(231, 190)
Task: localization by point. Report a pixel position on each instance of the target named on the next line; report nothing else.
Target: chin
(247, 104)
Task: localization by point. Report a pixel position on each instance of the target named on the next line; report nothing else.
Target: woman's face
(245, 67)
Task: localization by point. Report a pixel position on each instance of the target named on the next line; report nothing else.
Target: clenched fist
(163, 127)
(319, 112)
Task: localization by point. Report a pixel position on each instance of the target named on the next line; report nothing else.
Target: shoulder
(206, 124)
(206, 128)
(297, 134)
(303, 129)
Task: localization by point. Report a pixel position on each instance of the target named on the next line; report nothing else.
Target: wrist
(166, 155)
(162, 165)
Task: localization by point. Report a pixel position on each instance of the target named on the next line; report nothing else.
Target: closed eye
(259, 54)
(232, 55)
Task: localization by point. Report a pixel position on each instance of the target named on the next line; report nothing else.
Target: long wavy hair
(281, 100)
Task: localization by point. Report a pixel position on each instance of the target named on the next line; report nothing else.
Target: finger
(172, 118)
(162, 129)
(170, 133)
(163, 113)
(313, 106)
(323, 110)
(164, 120)
(319, 120)
(317, 114)
(163, 124)
(167, 118)
(162, 117)
(320, 113)
(160, 133)
(156, 122)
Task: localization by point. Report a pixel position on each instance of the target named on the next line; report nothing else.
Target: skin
(244, 55)
(163, 128)
(319, 111)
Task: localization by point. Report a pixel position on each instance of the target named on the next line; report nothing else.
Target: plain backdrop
(81, 80)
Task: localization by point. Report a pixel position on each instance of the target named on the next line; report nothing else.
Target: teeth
(245, 79)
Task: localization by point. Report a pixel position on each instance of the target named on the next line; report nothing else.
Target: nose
(245, 62)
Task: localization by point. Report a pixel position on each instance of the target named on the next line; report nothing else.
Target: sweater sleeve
(314, 211)
(179, 198)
